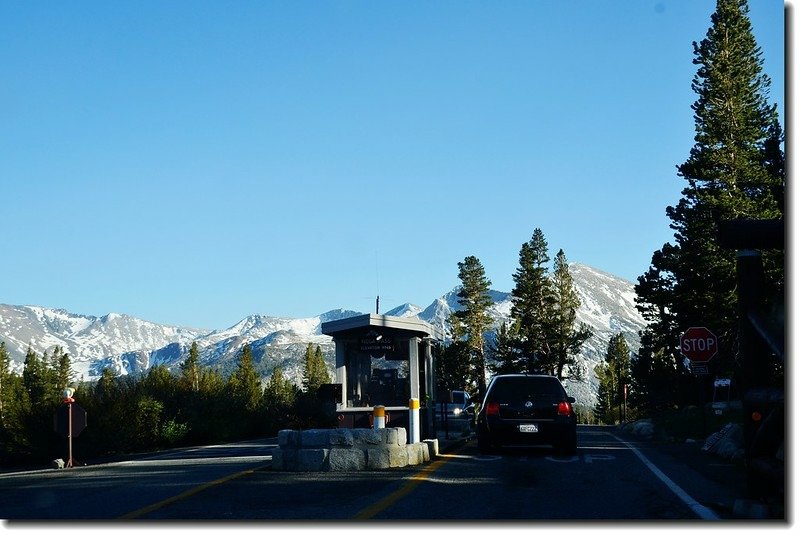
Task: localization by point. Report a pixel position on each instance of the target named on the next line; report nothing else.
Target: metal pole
(379, 417)
(69, 433)
(702, 400)
(413, 420)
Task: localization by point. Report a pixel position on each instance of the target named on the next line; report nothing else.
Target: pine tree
(473, 318)
(279, 390)
(728, 172)
(452, 364)
(5, 376)
(654, 379)
(190, 369)
(504, 350)
(13, 406)
(107, 385)
(735, 170)
(532, 298)
(612, 375)
(35, 378)
(244, 384)
(315, 371)
(603, 410)
(62, 369)
(566, 337)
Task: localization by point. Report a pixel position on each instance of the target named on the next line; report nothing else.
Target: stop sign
(62, 419)
(698, 344)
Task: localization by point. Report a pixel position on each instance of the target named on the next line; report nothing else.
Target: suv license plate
(528, 428)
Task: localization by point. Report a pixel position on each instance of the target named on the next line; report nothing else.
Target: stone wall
(343, 450)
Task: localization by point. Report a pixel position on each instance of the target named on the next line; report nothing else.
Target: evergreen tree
(280, 390)
(612, 375)
(62, 369)
(503, 350)
(244, 385)
(452, 364)
(280, 396)
(107, 385)
(190, 369)
(315, 371)
(322, 367)
(566, 338)
(13, 402)
(735, 170)
(163, 386)
(532, 299)
(618, 357)
(473, 318)
(603, 410)
(35, 378)
(654, 379)
(5, 381)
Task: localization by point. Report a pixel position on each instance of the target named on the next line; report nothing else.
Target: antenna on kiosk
(377, 287)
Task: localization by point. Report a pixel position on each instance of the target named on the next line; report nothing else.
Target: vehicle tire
(568, 445)
(484, 444)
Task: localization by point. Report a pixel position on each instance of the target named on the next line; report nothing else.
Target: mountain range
(131, 345)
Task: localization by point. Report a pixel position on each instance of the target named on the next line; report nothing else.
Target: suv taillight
(564, 408)
(492, 409)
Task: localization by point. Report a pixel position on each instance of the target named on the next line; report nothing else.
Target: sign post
(69, 421)
(699, 345)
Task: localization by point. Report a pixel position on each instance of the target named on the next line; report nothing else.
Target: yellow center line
(191, 492)
(403, 491)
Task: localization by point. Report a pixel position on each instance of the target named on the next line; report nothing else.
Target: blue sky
(191, 163)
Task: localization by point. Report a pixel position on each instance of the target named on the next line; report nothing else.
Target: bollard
(379, 417)
(413, 421)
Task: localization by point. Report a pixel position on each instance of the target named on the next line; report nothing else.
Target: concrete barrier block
(433, 446)
(402, 436)
(368, 437)
(424, 452)
(377, 458)
(312, 460)
(414, 457)
(284, 459)
(314, 438)
(288, 438)
(277, 459)
(340, 438)
(346, 460)
(391, 436)
(398, 456)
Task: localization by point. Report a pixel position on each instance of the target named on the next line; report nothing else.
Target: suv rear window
(520, 388)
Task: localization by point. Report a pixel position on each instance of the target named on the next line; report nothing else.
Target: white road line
(700, 510)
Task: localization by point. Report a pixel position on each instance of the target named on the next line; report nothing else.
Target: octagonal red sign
(698, 344)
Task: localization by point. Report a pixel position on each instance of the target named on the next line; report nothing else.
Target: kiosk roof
(413, 326)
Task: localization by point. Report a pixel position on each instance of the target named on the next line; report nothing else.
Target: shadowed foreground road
(607, 479)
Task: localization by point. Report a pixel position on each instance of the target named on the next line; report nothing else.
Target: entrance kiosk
(384, 360)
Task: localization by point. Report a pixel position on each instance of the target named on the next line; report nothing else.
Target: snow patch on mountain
(406, 310)
(130, 345)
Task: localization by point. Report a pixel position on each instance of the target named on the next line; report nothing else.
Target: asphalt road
(608, 479)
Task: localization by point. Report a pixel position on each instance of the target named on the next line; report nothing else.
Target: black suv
(525, 410)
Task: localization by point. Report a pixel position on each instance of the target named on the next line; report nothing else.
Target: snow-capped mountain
(607, 306)
(406, 310)
(86, 338)
(131, 345)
